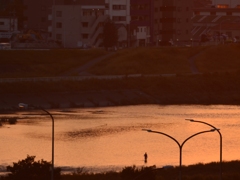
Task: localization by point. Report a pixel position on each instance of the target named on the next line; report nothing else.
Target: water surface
(109, 138)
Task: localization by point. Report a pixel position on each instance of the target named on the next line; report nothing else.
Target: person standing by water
(145, 157)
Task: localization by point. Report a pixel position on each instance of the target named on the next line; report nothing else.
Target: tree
(32, 170)
(110, 34)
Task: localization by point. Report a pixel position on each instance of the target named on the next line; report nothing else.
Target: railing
(78, 78)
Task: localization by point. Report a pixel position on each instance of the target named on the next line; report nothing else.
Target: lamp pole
(179, 145)
(23, 105)
(192, 120)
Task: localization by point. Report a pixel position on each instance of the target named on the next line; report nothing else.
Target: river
(110, 138)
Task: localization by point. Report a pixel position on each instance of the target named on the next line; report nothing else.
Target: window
(119, 18)
(213, 13)
(85, 36)
(43, 19)
(84, 24)
(197, 12)
(119, 7)
(58, 25)
(43, 8)
(59, 13)
(223, 6)
(86, 13)
(59, 36)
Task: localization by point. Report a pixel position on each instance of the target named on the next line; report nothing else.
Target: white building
(77, 25)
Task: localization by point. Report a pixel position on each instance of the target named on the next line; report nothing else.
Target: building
(79, 23)
(221, 18)
(119, 13)
(8, 26)
(141, 22)
(37, 15)
(226, 3)
(175, 21)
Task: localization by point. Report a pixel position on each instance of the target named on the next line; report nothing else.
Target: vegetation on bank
(31, 169)
(209, 171)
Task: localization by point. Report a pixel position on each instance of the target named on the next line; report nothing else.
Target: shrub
(31, 170)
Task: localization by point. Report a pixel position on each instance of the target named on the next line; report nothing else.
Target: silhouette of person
(145, 157)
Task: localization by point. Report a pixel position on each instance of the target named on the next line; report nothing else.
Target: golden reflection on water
(112, 137)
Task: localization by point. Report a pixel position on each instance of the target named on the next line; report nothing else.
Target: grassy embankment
(218, 85)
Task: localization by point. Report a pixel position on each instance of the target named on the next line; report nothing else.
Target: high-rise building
(175, 20)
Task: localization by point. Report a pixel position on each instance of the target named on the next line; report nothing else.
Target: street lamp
(192, 120)
(23, 105)
(179, 145)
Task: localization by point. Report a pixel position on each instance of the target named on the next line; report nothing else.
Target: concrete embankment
(76, 99)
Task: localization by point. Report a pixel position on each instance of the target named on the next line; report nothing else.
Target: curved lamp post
(179, 145)
(23, 105)
(192, 120)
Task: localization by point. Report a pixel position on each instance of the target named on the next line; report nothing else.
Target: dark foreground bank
(210, 171)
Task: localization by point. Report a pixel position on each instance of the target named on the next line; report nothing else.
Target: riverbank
(217, 88)
(213, 80)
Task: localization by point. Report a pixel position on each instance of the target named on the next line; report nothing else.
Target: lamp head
(191, 120)
(23, 105)
(216, 129)
(148, 130)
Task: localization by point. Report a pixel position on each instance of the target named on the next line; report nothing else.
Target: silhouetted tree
(110, 34)
(31, 170)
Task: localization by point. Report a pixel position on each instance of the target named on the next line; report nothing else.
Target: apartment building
(174, 20)
(221, 18)
(226, 3)
(79, 23)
